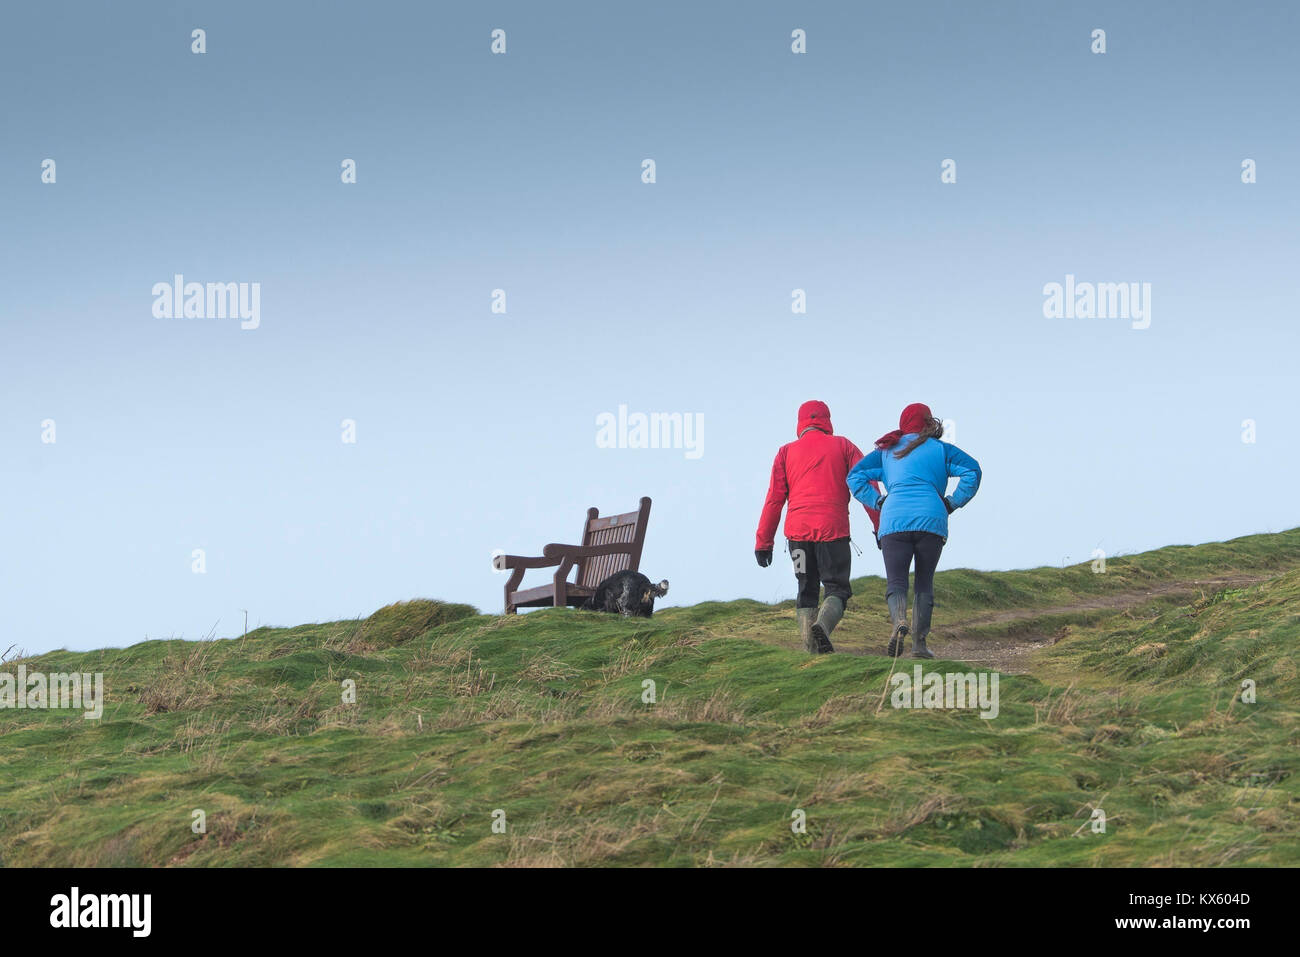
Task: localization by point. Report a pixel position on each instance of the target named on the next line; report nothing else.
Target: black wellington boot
(830, 615)
(921, 615)
(898, 616)
(806, 616)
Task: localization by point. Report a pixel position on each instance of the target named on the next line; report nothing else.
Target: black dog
(628, 593)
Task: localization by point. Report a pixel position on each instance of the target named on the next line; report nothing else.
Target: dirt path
(1009, 654)
(1117, 600)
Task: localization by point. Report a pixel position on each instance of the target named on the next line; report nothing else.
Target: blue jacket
(915, 485)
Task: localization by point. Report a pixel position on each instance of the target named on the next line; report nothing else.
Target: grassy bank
(1130, 701)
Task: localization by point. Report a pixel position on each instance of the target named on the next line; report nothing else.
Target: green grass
(1136, 708)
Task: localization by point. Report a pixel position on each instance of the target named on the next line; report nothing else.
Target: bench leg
(512, 584)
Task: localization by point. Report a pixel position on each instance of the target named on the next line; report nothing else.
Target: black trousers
(821, 563)
(900, 549)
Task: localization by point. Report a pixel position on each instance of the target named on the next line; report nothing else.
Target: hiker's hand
(764, 556)
(947, 503)
(880, 502)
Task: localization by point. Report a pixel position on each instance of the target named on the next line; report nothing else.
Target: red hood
(814, 414)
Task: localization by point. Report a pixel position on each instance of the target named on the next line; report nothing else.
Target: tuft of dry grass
(1063, 711)
(577, 844)
(204, 740)
(918, 813)
(449, 654)
(504, 704)
(183, 682)
(629, 660)
(1151, 649)
(718, 708)
(290, 709)
(843, 785)
(542, 668)
(473, 681)
(834, 707)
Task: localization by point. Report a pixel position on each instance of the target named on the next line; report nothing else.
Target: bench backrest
(627, 528)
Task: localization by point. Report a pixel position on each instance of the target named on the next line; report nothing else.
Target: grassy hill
(1126, 694)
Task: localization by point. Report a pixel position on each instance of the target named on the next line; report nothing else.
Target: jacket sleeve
(853, 455)
(864, 481)
(962, 466)
(777, 491)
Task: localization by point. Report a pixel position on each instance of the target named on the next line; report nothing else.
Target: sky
(774, 171)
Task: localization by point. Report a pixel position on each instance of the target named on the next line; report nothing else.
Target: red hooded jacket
(810, 474)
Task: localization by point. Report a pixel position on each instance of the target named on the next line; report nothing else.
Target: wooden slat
(600, 567)
(615, 521)
(545, 595)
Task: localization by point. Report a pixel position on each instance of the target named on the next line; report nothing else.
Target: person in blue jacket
(914, 467)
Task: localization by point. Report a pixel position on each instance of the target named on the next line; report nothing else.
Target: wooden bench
(610, 544)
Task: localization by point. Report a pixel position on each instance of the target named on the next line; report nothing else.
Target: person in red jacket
(809, 473)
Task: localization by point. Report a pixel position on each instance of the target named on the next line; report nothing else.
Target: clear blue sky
(775, 171)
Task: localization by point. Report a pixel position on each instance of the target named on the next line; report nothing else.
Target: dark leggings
(900, 548)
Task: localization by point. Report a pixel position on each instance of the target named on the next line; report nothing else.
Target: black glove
(947, 503)
(880, 502)
(764, 556)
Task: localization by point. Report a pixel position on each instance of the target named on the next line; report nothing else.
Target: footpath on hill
(1005, 639)
(1008, 653)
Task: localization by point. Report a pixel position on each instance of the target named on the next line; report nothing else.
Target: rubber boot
(806, 616)
(921, 615)
(898, 618)
(830, 615)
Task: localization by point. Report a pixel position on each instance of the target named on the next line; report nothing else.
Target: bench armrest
(588, 551)
(520, 563)
(569, 555)
(502, 562)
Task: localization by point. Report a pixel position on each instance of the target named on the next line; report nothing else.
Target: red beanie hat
(914, 418)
